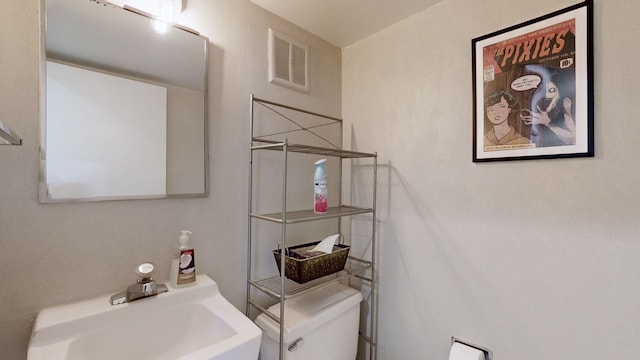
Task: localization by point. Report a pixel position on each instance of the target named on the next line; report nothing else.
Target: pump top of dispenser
(184, 238)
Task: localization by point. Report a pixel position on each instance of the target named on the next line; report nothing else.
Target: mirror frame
(44, 197)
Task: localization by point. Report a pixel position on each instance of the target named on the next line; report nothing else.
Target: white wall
(533, 259)
(57, 253)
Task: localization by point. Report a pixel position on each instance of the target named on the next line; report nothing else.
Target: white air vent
(288, 62)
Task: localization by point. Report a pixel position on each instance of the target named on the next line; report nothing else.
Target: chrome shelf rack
(279, 287)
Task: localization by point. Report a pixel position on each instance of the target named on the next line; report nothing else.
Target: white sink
(196, 322)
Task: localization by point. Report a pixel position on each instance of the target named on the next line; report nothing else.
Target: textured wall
(57, 253)
(534, 259)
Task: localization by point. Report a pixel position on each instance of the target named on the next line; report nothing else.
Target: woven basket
(302, 266)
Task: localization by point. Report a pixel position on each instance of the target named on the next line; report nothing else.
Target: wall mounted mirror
(125, 106)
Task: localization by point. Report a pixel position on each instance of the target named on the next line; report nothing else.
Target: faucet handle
(144, 271)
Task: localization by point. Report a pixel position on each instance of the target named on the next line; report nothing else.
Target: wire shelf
(306, 149)
(272, 285)
(293, 217)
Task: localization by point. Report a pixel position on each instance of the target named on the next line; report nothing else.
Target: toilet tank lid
(309, 311)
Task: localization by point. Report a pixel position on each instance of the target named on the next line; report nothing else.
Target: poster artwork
(529, 87)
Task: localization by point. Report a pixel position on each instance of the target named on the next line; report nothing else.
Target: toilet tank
(321, 324)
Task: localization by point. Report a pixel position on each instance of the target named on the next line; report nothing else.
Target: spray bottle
(320, 188)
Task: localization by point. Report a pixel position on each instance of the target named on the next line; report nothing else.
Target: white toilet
(321, 324)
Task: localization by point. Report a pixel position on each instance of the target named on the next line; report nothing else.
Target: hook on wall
(8, 137)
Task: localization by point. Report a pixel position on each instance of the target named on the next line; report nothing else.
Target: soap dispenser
(183, 264)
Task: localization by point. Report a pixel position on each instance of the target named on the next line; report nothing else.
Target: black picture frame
(533, 88)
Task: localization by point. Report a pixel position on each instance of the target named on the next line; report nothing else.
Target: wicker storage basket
(302, 266)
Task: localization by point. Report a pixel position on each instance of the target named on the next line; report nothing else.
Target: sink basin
(196, 322)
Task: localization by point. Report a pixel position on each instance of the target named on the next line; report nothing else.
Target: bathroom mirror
(125, 105)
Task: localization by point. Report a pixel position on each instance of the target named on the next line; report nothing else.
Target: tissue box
(302, 265)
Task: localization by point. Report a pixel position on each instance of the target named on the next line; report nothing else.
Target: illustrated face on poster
(530, 86)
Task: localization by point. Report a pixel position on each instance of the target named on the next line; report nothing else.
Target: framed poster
(533, 88)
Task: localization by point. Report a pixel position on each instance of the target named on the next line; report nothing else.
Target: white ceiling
(344, 22)
(105, 36)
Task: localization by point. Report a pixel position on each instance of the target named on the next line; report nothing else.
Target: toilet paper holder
(488, 354)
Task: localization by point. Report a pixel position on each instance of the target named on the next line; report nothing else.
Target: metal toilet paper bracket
(488, 354)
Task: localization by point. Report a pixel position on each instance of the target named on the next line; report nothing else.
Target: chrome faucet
(144, 287)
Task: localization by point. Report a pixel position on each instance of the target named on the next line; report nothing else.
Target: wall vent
(288, 62)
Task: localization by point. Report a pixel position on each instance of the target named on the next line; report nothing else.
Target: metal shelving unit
(279, 287)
